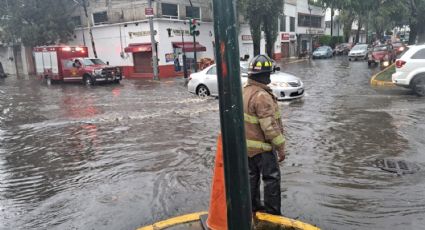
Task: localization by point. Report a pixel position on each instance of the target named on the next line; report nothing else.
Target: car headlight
(279, 84)
(97, 71)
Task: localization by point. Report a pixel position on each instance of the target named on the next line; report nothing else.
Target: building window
(169, 10)
(328, 24)
(100, 17)
(193, 12)
(292, 24)
(304, 21)
(283, 23)
(76, 20)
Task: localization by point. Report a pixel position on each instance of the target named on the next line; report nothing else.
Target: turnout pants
(267, 166)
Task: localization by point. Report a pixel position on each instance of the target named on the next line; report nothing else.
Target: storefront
(288, 44)
(129, 45)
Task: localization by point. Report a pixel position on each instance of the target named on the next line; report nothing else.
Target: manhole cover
(397, 166)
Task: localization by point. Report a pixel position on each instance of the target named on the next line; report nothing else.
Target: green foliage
(330, 41)
(36, 22)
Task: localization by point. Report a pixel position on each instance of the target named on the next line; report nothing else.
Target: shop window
(305, 20)
(292, 24)
(100, 17)
(169, 10)
(193, 12)
(76, 20)
(282, 23)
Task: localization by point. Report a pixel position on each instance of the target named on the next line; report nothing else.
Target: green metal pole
(235, 158)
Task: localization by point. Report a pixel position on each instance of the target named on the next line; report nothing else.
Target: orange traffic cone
(217, 214)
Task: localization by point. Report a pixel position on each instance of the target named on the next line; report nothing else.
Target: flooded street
(123, 156)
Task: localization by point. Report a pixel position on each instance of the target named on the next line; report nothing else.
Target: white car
(284, 86)
(410, 69)
(359, 51)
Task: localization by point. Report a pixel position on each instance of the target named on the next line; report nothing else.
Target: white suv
(410, 69)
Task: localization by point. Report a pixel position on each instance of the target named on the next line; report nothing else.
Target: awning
(138, 47)
(188, 46)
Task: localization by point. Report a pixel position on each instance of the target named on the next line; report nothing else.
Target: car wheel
(88, 80)
(117, 81)
(202, 91)
(419, 86)
(349, 59)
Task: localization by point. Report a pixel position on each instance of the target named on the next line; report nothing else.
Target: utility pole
(311, 35)
(153, 42)
(238, 196)
(90, 28)
(184, 57)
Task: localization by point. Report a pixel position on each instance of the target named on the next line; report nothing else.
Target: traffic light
(193, 24)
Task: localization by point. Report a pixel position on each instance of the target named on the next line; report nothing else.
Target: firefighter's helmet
(260, 64)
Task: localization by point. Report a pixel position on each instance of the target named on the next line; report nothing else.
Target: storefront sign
(149, 12)
(292, 37)
(246, 38)
(285, 37)
(140, 34)
(169, 57)
(312, 31)
(179, 32)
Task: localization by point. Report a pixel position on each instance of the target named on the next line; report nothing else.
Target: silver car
(285, 86)
(359, 51)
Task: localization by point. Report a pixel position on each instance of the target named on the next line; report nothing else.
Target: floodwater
(123, 156)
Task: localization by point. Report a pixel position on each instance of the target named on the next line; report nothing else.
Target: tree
(35, 22)
(262, 15)
(272, 9)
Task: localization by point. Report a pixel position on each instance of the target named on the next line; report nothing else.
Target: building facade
(121, 33)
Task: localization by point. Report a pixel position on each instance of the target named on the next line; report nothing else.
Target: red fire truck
(72, 64)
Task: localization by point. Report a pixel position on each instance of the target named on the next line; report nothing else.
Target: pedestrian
(264, 136)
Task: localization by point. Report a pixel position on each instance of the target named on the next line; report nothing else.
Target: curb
(379, 83)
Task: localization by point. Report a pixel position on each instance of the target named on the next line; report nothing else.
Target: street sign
(149, 12)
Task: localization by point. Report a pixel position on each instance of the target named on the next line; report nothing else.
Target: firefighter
(264, 136)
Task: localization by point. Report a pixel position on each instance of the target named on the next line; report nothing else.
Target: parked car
(285, 86)
(323, 52)
(410, 69)
(359, 51)
(384, 55)
(399, 47)
(342, 49)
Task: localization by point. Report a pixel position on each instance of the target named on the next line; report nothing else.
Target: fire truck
(72, 64)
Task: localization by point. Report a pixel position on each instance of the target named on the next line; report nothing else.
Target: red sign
(285, 36)
(149, 12)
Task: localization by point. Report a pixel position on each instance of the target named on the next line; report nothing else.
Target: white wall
(205, 38)
(8, 65)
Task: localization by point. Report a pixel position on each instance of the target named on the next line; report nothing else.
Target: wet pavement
(122, 156)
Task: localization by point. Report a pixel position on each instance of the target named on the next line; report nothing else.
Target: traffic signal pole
(238, 196)
(194, 52)
(153, 42)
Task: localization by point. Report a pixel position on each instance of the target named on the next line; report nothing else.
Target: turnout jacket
(263, 124)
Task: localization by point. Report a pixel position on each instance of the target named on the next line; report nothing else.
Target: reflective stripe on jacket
(263, 124)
